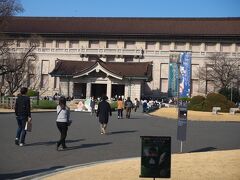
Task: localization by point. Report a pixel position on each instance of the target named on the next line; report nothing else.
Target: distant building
(83, 57)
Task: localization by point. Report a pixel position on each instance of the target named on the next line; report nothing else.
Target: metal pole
(231, 91)
(181, 146)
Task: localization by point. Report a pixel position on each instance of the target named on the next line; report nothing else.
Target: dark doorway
(79, 90)
(117, 90)
(98, 90)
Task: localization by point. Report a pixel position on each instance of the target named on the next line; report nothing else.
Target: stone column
(109, 89)
(88, 90)
(70, 88)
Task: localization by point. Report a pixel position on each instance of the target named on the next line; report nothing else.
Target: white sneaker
(21, 144)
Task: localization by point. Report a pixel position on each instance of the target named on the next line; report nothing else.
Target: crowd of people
(103, 111)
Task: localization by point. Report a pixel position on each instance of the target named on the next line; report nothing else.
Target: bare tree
(221, 70)
(8, 8)
(17, 68)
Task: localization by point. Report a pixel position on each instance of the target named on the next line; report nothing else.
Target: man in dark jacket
(103, 112)
(23, 114)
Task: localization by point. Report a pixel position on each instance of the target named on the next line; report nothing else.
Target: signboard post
(184, 66)
(156, 157)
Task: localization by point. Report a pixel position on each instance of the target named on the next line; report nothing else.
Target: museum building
(82, 57)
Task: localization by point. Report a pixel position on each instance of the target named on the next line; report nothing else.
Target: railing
(116, 51)
(9, 102)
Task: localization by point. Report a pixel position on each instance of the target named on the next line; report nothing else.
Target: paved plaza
(86, 145)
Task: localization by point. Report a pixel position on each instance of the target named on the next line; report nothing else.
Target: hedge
(44, 104)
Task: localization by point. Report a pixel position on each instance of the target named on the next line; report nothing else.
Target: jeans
(120, 113)
(21, 133)
(63, 128)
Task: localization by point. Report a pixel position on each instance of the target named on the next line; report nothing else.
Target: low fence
(9, 102)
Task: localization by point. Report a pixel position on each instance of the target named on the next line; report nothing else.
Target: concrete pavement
(87, 145)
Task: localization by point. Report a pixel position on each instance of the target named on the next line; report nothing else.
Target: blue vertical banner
(185, 64)
(185, 61)
(173, 75)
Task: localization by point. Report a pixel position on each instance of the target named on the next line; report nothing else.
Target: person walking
(103, 112)
(120, 107)
(136, 104)
(63, 121)
(92, 105)
(128, 106)
(23, 115)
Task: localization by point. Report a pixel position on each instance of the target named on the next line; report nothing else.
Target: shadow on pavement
(28, 173)
(52, 142)
(87, 146)
(204, 149)
(121, 132)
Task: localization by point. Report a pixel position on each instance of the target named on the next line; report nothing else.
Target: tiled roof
(123, 69)
(125, 26)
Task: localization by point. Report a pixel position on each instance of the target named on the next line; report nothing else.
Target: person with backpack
(128, 107)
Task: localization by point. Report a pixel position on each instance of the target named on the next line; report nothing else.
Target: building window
(180, 46)
(21, 43)
(195, 47)
(61, 44)
(194, 86)
(44, 73)
(195, 71)
(130, 45)
(112, 44)
(164, 84)
(44, 81)
(150, 45)
(56, 79)
(238, 48)
(73, 44)
(226, 47)
(94, 44)
(164, 70)
(210, 47)
(164, 46)
(31, 80)
(47, 44)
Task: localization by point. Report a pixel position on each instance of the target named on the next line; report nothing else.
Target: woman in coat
(103, 112)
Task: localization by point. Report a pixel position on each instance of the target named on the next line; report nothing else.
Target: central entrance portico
(83, 79)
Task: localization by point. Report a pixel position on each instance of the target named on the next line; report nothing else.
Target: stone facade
(125, 49)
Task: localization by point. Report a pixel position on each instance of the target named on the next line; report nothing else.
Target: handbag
(69, 122)
(28, 126)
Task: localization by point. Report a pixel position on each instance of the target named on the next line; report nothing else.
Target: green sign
(156, 157)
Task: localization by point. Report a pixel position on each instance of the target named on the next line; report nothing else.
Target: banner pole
(181, 146)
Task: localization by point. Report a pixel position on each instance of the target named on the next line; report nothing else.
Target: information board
(156, 157)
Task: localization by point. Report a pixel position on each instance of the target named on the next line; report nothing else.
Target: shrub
(196, 103)
(199, 103)
(217, 100)
(44, 104)
(185, 99)
(197, 100)
(113, 105)
(32, 92)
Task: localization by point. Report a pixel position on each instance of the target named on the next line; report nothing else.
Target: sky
(131, 8)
